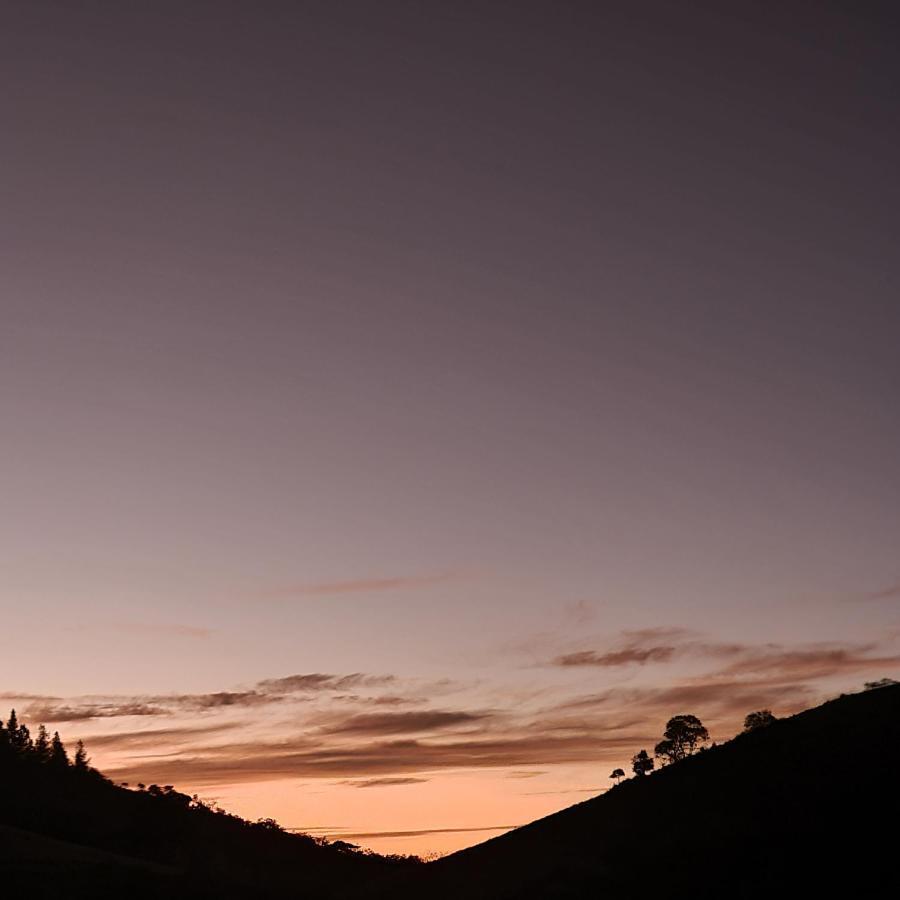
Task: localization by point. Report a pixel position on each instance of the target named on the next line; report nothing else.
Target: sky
(405, 408)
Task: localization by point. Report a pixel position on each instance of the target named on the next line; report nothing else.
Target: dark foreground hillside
(804, 808)
(807, 807)
(68, 832)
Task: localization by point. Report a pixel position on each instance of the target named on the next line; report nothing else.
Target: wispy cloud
(22, 695)
(158, 737)
(889, 593)
(590, 790)
(649, 645)
(363, 585)
(756, 676)
(162, 629)
(383, 782)
(318, 681)
(403, 722)
(372, 745)
(777, 664)
(363, 835)
(268, 691)
(45, 712)
(306, 758)
(622, 657)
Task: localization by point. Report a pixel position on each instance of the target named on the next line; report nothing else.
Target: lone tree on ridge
(642, 763)
(683, 735)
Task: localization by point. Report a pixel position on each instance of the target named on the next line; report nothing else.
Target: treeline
(16, 742)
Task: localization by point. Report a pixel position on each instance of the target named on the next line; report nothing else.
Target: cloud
(19, 695)
(363, 585)
(402, 722)
(318, 681)
(305, 758)
(623, 657)
(756, 677)
(44, 712)
(274, 690)
(383, 782)
(776, 664)
(648, 645)
(162, 630)
(383, 700)
(888, 593)
(158, 737)
(715, 699)
(216, 700)
(363, 835)
(591, 790)
(379, 745)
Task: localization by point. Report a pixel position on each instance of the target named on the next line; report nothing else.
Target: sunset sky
(406, 407)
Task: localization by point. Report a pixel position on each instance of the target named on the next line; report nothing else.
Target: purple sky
(444, 342)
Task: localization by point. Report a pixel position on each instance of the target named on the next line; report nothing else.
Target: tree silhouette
(81, 758)
(759, 719)
(618, 774)
(683, 735)
(41, 748)
(58, 755)
(19, 735)
(642, 763)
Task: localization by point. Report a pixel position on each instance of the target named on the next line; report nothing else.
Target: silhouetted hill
(66, 831)
(804, 807)
(50, 867)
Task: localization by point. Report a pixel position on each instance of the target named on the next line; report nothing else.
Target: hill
(805, 806)
(66, 830)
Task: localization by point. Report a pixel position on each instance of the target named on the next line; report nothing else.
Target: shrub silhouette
(759, 719)
(880, 683)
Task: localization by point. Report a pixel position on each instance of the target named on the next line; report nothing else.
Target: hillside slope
(65, 831)
(53, 868)
(805, 806)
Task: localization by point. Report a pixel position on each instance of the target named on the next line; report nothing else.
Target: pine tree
(58, 755)
(81, 758)
(41, 748)
(19, 735)
(4, 740)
